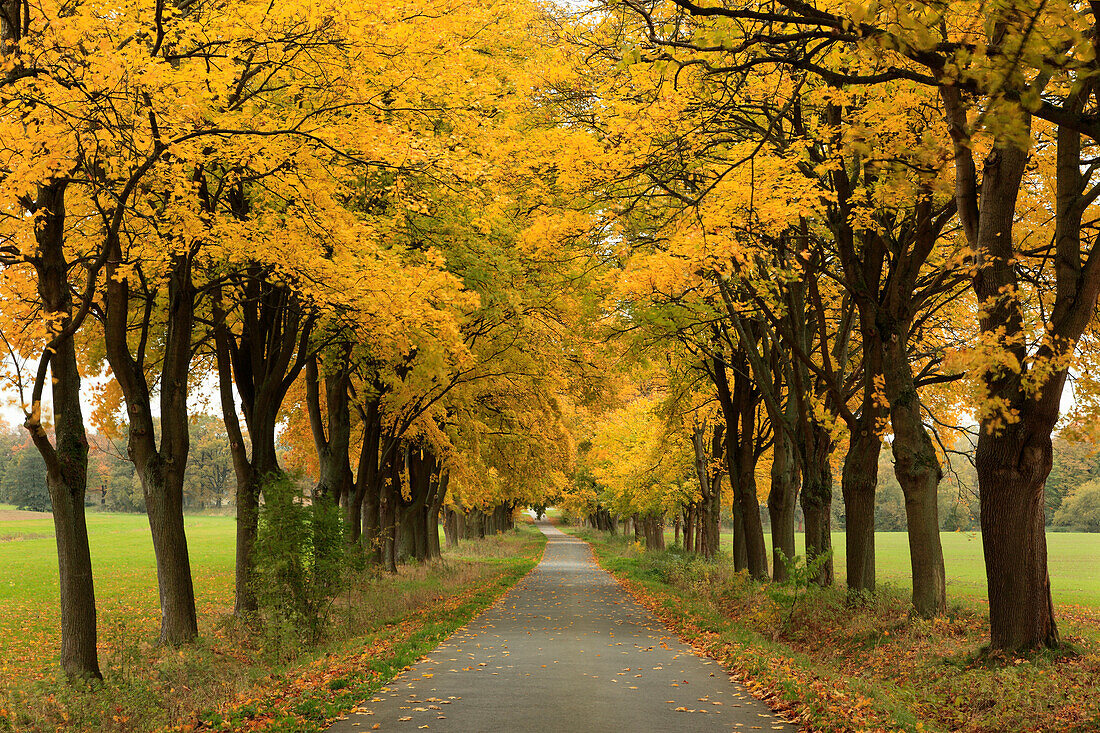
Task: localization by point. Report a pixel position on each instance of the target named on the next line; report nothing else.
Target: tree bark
(781, 501)
(453, 526)
(159, 468)
(858, 484)
(262, 362)
(741, 460)
(67, 459)
(917, 469)
(367, 482)
(1013, 466)
(434, 508)
(1013, 460)
(332, 435)
(816, 496)
(710, 488)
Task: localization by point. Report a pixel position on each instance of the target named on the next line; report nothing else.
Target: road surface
(566, 649)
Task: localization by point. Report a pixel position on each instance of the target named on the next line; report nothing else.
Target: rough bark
(1013, 461)
(816, 497)
(781, 502)
(858, 484)
(454, 526)
(709, 475)
(653, 528)
(160, 468)
(262, 361)
(332, 435)
(66, 459)
(918, 471)
(1013, 466)
(739, 409)
(435, 506)
(365, 494)
(916, 464)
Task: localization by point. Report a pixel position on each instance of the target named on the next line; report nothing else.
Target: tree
(24, 481)
(1035, 64)
(1080, 512)
(209, 474)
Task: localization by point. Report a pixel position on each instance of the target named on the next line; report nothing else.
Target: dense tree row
(344, 221)
(112, 482)
(875, 223)
(381, 237)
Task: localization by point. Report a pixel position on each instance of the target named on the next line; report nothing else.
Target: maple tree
(991, 70)
(449, 259)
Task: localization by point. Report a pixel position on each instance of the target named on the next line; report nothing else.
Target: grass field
(231, 677)
(125, 582)
(1073, 559)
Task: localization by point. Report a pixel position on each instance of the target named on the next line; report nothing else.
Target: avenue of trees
(354, 232)
(843, 230)
(648, 260)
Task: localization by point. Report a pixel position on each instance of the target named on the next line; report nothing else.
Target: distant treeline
(1072, 493)
(112, 483)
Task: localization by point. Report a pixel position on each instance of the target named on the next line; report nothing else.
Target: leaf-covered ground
(838, 666)
(232, 679)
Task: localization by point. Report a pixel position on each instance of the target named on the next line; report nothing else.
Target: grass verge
(234, 678)
(830, 663)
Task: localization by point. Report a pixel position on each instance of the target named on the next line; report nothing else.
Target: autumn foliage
(647, 261)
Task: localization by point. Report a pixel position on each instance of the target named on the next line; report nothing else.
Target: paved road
(565, 650)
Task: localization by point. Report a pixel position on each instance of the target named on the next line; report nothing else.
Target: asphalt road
(566, 649)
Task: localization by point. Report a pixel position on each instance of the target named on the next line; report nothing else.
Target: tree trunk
(739, 413)
(262, 361)
(389, 517)
(365, 499)
(917, 469)
(66, 479)
(159, 468)
(1014, 460)
(332, 436)
(816, 497)
(67, 459)
(689, 528)
(453, 528)
(781, 498)
(1012, 469)
(858, 483)
(434, 508)
(164, 507)
(654, 532)
(741, 458)
(710, 488)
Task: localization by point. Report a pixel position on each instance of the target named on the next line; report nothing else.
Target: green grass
(381, 624)
(1073, 560)
(125, 582)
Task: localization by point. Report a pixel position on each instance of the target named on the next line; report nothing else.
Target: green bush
(801, 577)
(301, 562)
(1080, 511)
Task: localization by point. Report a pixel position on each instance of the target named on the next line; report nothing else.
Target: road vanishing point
(566, 649)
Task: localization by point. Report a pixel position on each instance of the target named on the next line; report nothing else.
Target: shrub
(301, 562)
(800, 577)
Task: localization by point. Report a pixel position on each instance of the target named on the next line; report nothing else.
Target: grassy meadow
(125, 583)
(1073, 559)
(230, 678)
